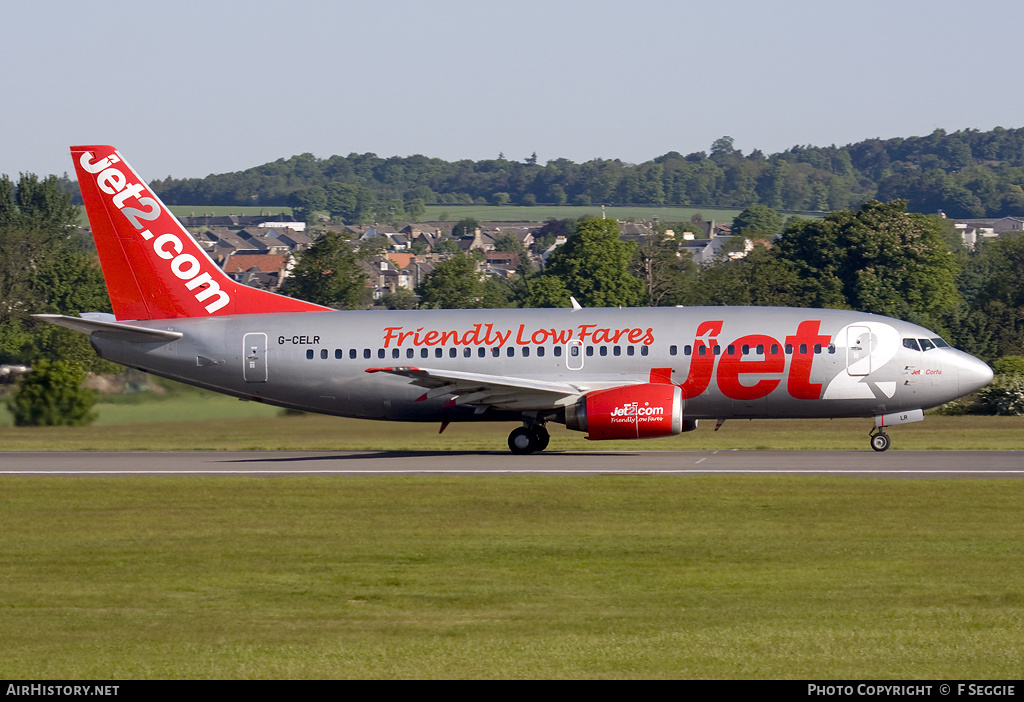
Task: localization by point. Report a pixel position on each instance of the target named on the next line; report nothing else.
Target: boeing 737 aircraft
(612, 373)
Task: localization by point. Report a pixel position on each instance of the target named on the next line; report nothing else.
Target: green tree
(465, 227)
(45, 267)
(758, 222)
(328, 273)
(458, 284)
(308, 201)
(594, 266)
(51, 394)
(991, 322)
(666, 271)
(760, 278)
(544, 291)
(880, 259)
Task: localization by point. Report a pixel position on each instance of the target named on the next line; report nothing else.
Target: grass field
(540, 213)
(612, 577)
(504, 577)
(508, 213)
(195, 420)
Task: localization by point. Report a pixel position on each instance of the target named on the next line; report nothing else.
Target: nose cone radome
(973, 374)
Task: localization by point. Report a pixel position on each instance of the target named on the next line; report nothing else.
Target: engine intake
(629, 412)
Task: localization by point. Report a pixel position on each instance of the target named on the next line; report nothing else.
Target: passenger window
(338, 353)
(309, 353)
(617, 351)
(775, 348)
(644, 350)
(603, 350)
(717, 350)
(526, 351)
(817, 348)
(424, 353)
(481, 352)
(731, 349)
(630, 351)
(439, 352)
(409, 353)
(366, 353)
(352, 353)
(380, 353)
(453, 352)
(558, 352)
(789, 349)
(396, 353)
(467, 352)
(745, 349)
(687, 350)
(510, 352)
(323, 354)
(495, 352)
(590, 350)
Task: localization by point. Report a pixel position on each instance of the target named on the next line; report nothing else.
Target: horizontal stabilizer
(113, 330)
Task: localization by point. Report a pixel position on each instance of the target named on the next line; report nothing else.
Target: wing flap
(481, 389)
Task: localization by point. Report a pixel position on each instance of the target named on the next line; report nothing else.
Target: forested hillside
(965, 173)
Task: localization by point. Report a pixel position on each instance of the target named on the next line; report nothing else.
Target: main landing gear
(528, 439)
(879, 439)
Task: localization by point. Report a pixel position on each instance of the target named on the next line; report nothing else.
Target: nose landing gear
(879, 439)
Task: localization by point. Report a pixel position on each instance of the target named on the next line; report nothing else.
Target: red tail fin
(153, 267)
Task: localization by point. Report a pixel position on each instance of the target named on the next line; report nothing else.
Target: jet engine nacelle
(629, 412)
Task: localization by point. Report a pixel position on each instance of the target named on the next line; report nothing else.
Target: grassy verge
(511, 578)
(206, 421)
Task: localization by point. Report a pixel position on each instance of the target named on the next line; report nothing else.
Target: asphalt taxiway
(890, 464)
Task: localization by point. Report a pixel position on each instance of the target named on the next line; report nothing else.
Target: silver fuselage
(797, 362)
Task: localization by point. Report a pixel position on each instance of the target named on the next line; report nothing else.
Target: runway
(891, 464)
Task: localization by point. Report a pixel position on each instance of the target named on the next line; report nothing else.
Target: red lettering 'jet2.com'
(612, 373)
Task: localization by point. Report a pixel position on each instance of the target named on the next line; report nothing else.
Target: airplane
(611, 373)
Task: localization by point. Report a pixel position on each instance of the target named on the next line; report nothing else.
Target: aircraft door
(254, 357)
(574, 354)
(858, 350)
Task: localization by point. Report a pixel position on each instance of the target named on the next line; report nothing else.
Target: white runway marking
(516, 471)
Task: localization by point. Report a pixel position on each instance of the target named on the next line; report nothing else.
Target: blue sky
(197, 87)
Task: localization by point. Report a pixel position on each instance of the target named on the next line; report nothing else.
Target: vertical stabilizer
(153, 267)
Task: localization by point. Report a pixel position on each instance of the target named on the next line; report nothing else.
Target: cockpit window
(940, 343)
(926, 345)
(911, 344)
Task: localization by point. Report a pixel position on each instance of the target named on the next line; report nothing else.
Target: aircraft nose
(973, 374)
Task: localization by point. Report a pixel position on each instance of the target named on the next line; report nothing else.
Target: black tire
(542, 437)
(880, 441)
(522, 441)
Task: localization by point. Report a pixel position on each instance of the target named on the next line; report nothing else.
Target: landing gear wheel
(542, 437)
(880, 441)
(522, 441)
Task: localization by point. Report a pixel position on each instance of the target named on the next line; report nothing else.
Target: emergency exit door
(254, 357)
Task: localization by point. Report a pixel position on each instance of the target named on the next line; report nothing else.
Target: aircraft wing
(481, 390)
